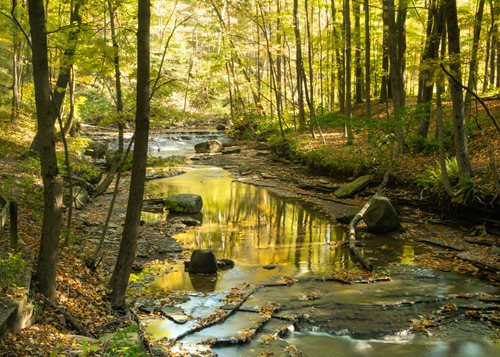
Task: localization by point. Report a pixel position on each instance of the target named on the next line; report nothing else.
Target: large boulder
(186, 203)
(351, 188)
(209, 146)
(381, 217)
(203, 261)
(96, 149)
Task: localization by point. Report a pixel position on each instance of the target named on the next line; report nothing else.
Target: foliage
(431, 179)
(121, 344)
(10, 269)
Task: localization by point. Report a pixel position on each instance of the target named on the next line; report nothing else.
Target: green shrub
(431, 179)
(11, 268)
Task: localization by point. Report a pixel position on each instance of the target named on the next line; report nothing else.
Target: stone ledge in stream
(184, 203)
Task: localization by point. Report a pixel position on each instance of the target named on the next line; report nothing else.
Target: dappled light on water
(256, 229)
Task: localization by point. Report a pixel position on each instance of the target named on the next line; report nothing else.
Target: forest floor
(454, 245)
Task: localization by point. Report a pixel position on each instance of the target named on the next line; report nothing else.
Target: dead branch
(73, 321)
(474, 95)
(217, 320)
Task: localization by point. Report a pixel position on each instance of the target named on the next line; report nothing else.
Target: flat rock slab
(351, 188)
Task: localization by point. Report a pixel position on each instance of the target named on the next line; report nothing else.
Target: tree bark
(299, 65)
(459, 129)
(368, 110)
(358, 69)
(348, 71)
(52, 183)
(426, 82)
(67, 61)
(397, 47)
(472, 82)
(128, 244)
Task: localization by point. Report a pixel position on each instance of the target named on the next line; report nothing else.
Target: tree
(52, 183)
(128, 244)
(459, 129)
(299, 65)
(65, 65)
(397, 48)
(348, 73)
(472, 82)
(426, 82)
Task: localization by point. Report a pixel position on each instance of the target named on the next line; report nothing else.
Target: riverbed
(288, 278)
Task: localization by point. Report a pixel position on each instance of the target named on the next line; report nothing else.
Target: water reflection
(253, 227)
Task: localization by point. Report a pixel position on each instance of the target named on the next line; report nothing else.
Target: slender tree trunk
(493, 43)
(486, 63)
(16, 71)
(348, 72)
(426, 83)
(472, 82)
(397, 49)
(67, 60)
(312, 109)
(128, 244)
(358, 69)
(299, 65)
(52, 183)
(497, 42)
(338, 61)
(459, 129)
(104, 184)
(368, 110)
(385, 86)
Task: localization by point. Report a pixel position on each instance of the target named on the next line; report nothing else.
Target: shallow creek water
(255, 228)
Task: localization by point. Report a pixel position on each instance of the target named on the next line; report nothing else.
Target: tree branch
(474, 95)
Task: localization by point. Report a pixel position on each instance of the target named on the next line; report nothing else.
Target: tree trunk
(64, 66)
(358, 69)
(16, 72)
(104, 184)
(299, 65)
(426, 83)
(459, 129)
(310, 102)
(52, 183)
(348, 71)
(128, 244)
(397, 47)
(368, 110)
(385, 85)
(493, 42)
(472, 82)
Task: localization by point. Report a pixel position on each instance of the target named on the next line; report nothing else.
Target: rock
(350, 189)
(381, 217)
(184, 203)
(269, 266)
(209, 146)
(175, 314)
(225, 264)
(221, 127)
(348, 215)
(80, 197)
(203, 261)
(231, 151)
(96, 149)
(188, 221)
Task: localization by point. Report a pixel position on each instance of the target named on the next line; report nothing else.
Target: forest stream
(294, 288)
